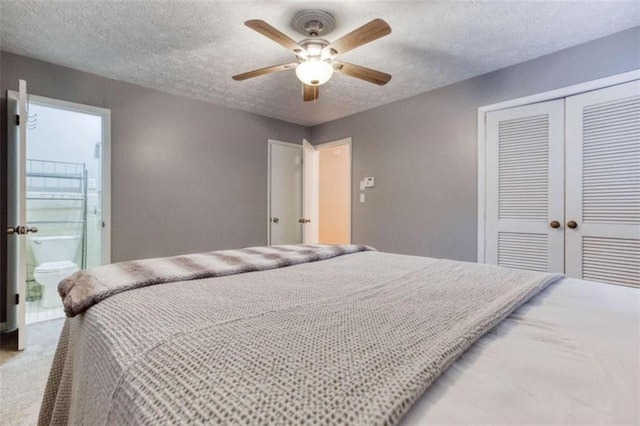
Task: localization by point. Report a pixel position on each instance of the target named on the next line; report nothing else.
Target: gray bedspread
(353, 339)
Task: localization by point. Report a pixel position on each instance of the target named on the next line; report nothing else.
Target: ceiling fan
(316, 57)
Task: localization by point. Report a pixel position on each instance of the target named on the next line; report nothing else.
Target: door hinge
(17, 120)
(17, 299)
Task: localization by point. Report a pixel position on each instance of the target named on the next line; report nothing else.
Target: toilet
(54, 257)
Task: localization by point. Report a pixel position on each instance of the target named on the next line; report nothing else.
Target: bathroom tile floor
(36, 313)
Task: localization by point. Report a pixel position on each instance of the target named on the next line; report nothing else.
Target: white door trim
(539, 97)
(310, 193)
(341, 142)
(105, 114)
(270, 143)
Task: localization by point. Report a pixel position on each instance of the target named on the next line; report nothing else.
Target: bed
(342, 334)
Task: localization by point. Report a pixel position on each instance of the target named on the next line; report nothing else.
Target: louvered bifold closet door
(603, 185)
(525, 190)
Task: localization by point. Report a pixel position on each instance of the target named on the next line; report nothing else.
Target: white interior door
(525, 187)
(603, 185)
(311, 196)
(16, 212)
(285, 193)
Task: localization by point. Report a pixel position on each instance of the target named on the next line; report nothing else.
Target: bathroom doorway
(67, 198)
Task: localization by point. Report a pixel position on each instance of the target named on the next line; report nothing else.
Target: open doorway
(334, 192)
(66, 198)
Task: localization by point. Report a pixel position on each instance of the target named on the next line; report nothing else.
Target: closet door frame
(540, 97)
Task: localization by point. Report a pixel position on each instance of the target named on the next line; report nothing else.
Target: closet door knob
(572, 224)
(555, 224)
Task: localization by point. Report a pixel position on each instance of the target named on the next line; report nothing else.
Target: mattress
(571, 355)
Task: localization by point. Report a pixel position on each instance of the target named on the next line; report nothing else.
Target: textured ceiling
(192, 48)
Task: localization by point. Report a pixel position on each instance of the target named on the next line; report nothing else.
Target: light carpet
(23, 375)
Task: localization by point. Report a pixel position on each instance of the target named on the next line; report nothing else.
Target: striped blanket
(85, 288)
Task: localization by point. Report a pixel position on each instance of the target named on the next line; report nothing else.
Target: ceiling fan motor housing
(315, 48)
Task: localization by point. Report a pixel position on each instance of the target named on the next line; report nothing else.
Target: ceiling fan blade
(263, 71)
(310, 93)
(274, 34)
(363, 35)
(363, 73)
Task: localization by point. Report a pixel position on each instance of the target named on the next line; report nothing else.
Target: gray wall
(187, 176)
(423, 150)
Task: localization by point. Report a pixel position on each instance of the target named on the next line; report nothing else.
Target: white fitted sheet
(571, 355)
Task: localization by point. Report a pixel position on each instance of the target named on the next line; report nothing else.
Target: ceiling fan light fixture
(314, 72)
(316, 57)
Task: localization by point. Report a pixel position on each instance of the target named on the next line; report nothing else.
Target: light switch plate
(369, 182)
(362, 197)
(362, 187)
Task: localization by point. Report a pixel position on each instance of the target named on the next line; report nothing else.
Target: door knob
(572, 224)
(555, 224)
(275, 220)
(21, 230)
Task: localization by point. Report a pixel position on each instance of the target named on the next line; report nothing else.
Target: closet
(563, 186)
